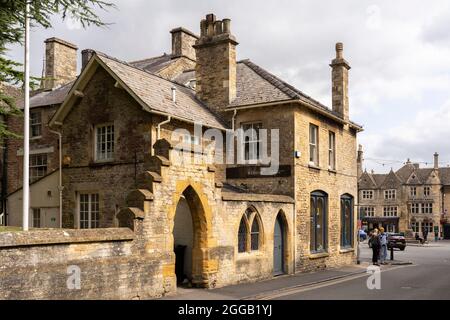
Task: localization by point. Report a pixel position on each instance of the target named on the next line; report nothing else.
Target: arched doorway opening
(190, 235)
(280, 245)
(183, 239)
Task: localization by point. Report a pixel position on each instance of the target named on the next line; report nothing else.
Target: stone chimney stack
(216, 63)
(339, 77)
(60, 63)
(183, 42)
(436, 160)
(359, 161)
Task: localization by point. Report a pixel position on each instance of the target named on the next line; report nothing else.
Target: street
(419, 272)
(427, 278)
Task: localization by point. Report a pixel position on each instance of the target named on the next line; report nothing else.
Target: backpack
(375, 241)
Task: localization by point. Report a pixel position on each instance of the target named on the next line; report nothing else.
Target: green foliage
(12, 22)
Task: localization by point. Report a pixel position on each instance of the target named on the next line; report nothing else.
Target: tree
(12, 22)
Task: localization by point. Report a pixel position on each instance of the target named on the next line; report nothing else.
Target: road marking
(290, 291)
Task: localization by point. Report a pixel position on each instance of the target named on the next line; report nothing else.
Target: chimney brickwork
(183, 42)
(339, 76)
(216, 63)
(60, 63)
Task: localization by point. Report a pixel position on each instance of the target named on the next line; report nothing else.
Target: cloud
(398, 51)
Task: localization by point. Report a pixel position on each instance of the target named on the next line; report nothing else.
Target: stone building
(410, 200)
(135, 155)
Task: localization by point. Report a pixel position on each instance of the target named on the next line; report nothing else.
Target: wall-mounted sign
(255, 172)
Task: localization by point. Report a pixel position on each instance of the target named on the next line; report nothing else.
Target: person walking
(425, 235)
(383, 243)
(375, 245)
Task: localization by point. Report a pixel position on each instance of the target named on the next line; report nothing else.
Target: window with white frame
(426, 191)
(314, 145)
(252, 141)
(332, 151)
(104, 142)
(35, 124)
(89, 210)
(427, 208)
(367, 194)
(36, 218)
(390, 194)
(415, 208)
(390, 211)
(368, 211)
(38, 166)
(415, 226)
(413, 191)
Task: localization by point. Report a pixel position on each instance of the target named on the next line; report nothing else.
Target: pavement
(293, 286)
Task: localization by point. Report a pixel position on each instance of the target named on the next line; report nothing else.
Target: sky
(399, 52)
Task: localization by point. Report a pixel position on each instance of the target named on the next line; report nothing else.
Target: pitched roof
(444, 174)
(255, 85)
(366, 181)
(153, 93)
(154, 64)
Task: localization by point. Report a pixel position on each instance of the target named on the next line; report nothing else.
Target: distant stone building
(410, 200)
(124, 124)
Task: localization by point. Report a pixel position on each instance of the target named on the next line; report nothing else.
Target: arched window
(242, 236)
(255, 235)
(319, 218)
(249, 234)
(346, 221)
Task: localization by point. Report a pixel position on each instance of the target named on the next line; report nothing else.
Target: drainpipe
(60, 187)
(169, 118)
(233, 120)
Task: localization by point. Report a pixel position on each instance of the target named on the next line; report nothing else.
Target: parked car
(362, 235)
(396, 240)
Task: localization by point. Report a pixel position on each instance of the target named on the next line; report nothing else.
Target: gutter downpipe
(60, 187)
(169, 118)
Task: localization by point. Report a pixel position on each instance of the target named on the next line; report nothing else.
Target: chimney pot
(339, 50)
(218, 27)
(436, 160)
(86, 56)
(226, 25)
(211, 17)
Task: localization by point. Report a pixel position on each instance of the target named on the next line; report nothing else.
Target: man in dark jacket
(375, 244)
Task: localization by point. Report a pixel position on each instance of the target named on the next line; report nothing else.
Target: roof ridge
(287, 88)
(182, 87)
(151, 58)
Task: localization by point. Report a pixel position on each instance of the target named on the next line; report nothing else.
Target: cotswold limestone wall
(334, 183)
(40, 264)
(216, 215)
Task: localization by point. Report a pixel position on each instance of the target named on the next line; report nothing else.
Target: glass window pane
(242, 236)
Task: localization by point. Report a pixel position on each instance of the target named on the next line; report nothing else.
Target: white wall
(44, 194)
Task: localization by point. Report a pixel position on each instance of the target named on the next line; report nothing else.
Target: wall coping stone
(63, 236)
(234, 196)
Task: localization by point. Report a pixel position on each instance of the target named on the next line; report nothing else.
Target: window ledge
(319, 255)
(313, 166)
(332, 171)
(35, 138)
(101, 163)
(347, 250)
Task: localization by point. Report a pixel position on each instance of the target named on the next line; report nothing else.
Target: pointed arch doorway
(191, 228)
(279, 245)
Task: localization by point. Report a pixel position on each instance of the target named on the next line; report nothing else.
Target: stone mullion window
(390, 194)
(368, 211)
(252, 141)
(427, 208)
(415, 208)
(249, 238)
(426, 191)
(390, 211)
(367, 194)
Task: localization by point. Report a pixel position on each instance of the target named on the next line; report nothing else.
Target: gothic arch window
(250, 231)
(242, 236)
